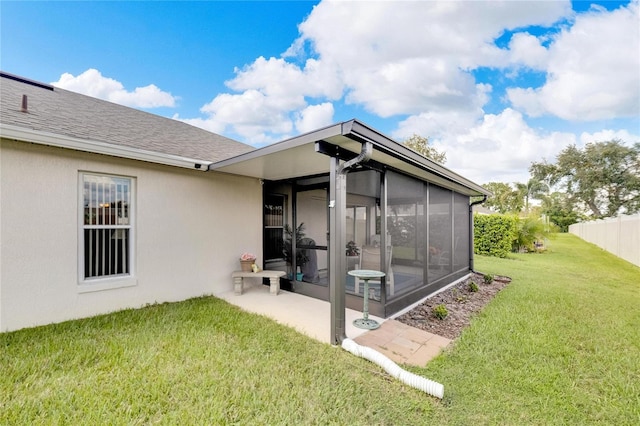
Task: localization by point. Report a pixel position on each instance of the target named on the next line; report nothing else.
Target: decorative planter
(245, 265)
(299, 276)
(352, 261)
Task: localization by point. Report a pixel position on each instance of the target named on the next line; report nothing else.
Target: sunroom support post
(337, 242)
(338, 239)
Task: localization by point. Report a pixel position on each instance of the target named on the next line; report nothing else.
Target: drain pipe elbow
(428, 386)
(363, 157)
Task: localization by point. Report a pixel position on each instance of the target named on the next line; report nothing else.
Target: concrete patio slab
(312, 317)
(307, 315)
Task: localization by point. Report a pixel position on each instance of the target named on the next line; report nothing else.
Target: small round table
(366, 275)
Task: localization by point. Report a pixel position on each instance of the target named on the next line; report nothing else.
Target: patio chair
(310, 268)
(441, 260)
(370, 259)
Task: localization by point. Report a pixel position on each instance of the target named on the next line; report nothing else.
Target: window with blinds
(106, 226)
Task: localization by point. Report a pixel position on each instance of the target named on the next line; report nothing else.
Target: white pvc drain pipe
(413, 380)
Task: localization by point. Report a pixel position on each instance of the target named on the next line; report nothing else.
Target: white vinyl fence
(619, 235)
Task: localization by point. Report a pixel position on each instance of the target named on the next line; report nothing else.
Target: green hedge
(494, 234)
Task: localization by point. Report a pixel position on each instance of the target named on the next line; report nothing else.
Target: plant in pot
(353, 255)
(247, 260)
(287, 251)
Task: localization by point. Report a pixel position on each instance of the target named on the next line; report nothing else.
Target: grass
(560, 345)
(202, 361)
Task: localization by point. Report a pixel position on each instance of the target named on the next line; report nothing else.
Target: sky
(497, 85)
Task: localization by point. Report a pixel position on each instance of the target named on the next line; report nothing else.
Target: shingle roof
(71, 114)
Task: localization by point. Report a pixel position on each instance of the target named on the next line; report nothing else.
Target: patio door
(301, 207)
(311, 219)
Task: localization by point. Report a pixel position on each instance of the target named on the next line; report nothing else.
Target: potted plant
(247, 260)
(353, 255)
(287, 251)
(352, 249)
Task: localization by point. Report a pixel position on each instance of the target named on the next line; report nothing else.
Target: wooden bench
(274, 280)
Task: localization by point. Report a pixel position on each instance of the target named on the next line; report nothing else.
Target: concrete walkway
(312, 317)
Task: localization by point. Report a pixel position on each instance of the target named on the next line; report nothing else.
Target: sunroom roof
(306, 155)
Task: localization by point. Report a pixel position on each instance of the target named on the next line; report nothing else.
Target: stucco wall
(190, 228)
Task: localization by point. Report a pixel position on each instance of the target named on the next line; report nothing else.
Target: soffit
(297, 157)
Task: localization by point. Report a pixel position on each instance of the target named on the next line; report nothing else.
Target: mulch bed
(461, 304)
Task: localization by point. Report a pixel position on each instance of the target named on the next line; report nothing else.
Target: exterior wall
(619, 236)
(190, 228)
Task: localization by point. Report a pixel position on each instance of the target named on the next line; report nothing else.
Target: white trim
(112, 281)
(45, 138)
(107, 284)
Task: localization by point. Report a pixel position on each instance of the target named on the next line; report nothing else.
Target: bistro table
(366, 275)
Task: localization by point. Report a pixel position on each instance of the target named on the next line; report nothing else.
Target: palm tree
(533, 190)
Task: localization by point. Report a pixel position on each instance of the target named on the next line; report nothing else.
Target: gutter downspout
(337, 242)
(338, 196)
(363, 157)
(471, 234)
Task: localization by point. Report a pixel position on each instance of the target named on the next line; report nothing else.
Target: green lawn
(560, 345)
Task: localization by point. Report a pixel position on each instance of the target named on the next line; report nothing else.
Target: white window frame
(111, 281)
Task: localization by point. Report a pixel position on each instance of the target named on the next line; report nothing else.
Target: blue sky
(496, 85)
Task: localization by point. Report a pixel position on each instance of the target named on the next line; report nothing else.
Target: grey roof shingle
(67, 113)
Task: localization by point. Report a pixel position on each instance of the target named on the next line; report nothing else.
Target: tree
(560, 211)
(603, 178)
(533, 189)
(504, 199)
(420, 145)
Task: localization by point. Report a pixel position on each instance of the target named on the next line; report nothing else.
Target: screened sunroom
(347, 197)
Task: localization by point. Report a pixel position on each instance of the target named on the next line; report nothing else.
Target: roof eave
(357, 131)
(400, 151)
(22, 134)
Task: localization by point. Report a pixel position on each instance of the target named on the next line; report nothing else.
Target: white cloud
(314, 117)
(497, 147)
(593, 71)
(528, 50)
(608, 135)
(359, 35)
(93, 83)
(251, 114)
(441, 121)
(272, 99)
(500, 147)
(412, 57)
(279, 79)
(412, 86)
(413, 60)
(391, 58)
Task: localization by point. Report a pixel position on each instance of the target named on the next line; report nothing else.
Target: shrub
(440, 312)
(528, 231)
(494, 234)
(488, 278)
(457, 296)
(473, 287)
